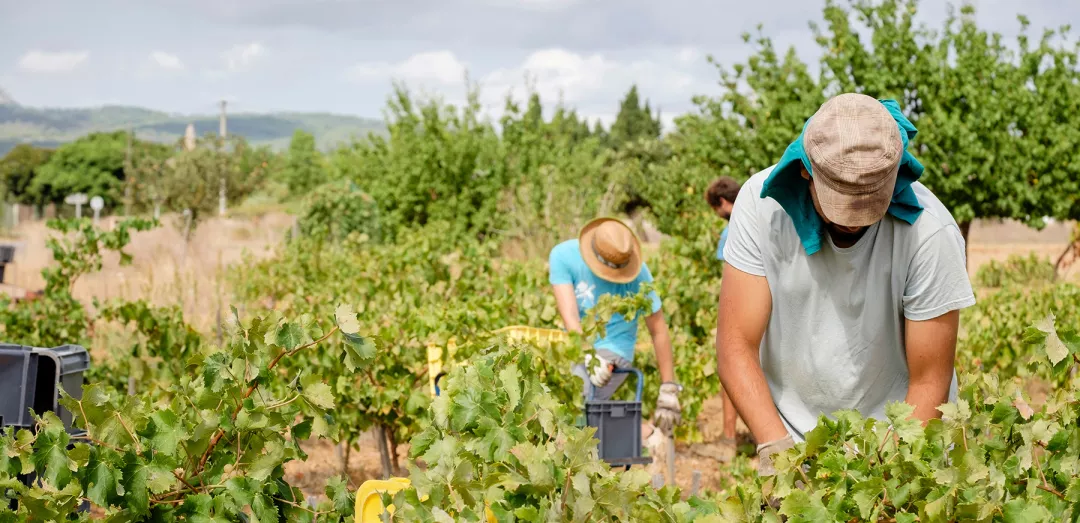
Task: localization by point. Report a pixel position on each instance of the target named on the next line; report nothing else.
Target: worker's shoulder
(935, 216)
(761, 207)
(566, 249)
(756, 181)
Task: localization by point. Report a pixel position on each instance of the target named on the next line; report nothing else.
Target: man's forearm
(661, 338)
(931, 352)
(926, 397)
(741, 375)
(742, 317)
(566, 304)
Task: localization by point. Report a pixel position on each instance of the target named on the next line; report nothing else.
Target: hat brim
(626, 274)
(855, 210)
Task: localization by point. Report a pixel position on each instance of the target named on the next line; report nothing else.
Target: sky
(342, 56)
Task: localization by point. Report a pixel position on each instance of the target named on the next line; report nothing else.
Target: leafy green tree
(305, 167)
(995, 125)
(93, 165)
(634, 120)
(335, 210)
(192, 179)
(994, 122)
(18, 169)
(601, 134)
(439, 163)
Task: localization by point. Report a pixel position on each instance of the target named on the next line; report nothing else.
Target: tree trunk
(1071, 248)
(384, 452)
(391, 436)
(965, 228)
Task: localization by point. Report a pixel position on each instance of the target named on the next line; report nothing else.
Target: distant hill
(51, 127)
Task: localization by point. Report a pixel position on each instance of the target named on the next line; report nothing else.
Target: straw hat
(610, 250)
(854, 147)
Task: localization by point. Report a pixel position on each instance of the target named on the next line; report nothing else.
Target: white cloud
(591, 83)
(553, 73)
(440, 68)
(240, 57)
(169, 62)
(687, 55)
(53, 62)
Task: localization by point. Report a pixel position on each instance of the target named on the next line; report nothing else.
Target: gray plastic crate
(37, 374)
(618, 426)
(18, 381)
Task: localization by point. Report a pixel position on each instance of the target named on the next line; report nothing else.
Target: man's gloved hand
(766, 451)
(668, 412)
(601, 373)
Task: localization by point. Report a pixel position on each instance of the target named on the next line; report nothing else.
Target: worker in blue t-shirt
(606, 259)
(721, 197)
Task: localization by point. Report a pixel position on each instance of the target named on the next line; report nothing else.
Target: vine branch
(251, 389)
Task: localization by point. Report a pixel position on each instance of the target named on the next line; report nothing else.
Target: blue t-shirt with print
(720, 246)
(567, 266)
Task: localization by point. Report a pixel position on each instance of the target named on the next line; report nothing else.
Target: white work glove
(668, 413)
(766, 451)
(601, 373)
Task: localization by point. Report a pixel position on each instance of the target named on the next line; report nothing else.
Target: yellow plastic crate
(522, 332)
(435, 360)
(369, 507)
(368, 503)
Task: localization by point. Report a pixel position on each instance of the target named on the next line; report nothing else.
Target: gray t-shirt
(835, 338)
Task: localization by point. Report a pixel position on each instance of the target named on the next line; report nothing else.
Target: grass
(165, 270)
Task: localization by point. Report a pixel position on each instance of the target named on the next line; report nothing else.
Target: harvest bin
(30, 380)
(618, 426)
(7, 255)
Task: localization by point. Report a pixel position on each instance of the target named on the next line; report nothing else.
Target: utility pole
(128, 181)
(222, 129)
(223, 133)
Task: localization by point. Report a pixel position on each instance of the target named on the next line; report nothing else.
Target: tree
(93, 164)
(634, 120)
(601, 134)
(192, 179)
(983, 110)
(996, 127)
(18, 169)
(305, 167)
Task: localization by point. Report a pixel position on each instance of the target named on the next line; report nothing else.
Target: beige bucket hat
(854, 147)
(611, 250)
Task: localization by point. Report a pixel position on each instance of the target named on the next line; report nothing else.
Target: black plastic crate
(7, 253)
(36, 376)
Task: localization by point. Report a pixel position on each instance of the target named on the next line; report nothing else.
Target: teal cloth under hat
(786, 186)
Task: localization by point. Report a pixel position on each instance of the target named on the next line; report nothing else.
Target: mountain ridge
(50, 127)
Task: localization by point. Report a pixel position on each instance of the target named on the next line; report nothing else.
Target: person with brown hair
(606, 258)
(844, 278)
(721, 196)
